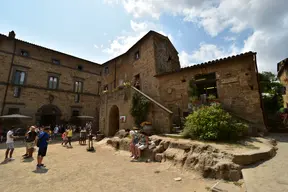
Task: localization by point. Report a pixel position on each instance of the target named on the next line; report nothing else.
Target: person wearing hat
(42, 143)
(30, 142)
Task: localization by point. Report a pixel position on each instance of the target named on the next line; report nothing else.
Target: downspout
(259, 91)
(9, 74)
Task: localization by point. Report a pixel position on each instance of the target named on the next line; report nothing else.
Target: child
(64, 138)
(134, 140)
(143, 144)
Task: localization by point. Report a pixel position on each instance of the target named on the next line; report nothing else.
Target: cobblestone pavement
(75, 169)
(272, 175)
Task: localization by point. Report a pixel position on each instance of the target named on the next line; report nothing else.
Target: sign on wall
(122, 119)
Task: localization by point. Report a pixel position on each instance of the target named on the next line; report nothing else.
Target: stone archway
(48, 115)
(113, 120)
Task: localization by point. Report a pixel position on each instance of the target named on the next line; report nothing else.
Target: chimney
(11, 35)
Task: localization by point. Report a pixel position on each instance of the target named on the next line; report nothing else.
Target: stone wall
(38, 67)
(160, 119)
(167, 59)
(237, 87)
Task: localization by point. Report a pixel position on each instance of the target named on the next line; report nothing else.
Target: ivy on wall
(139, 109)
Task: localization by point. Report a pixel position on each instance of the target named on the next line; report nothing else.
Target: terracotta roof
(93, 63)
(210, 62)
(151, 32)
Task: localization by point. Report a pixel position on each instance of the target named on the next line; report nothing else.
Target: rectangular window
(53, 82)
(106, 70)
(56, 61)
(19, 77)
(80, 67)
(78, 86)
(24, 53)
(137, 55)
(12, 111)
(17, 92)
(77, 98)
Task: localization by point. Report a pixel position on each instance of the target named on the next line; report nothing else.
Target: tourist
(30, 142)
(134, 140)
(64, 137)
(55, 132)
(69, 136)
(42, 143)
(10, 145)
(143, 144)
(83, 135)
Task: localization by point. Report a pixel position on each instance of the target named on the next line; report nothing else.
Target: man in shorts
(10, 145)
(42, 143)
(30, 142)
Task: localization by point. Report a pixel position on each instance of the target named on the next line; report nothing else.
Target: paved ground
(105, 170)
(272, 175)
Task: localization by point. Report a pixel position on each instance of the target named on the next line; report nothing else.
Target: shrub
(213, 123)
(139, 109)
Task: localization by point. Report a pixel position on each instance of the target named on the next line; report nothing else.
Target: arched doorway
(113, 120)
(48, 115)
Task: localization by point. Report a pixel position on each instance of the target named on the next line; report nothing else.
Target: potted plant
(147, 127)
(127, 84)
(212, 99)
(195, 100)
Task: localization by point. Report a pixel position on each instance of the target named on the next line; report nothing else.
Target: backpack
(38, 141)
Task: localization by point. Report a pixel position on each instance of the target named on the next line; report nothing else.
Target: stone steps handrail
(159, 105)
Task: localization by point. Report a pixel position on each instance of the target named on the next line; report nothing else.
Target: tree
(272, 91)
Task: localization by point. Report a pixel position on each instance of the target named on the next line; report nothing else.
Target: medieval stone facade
(151, 66)
(45, 84)
(282, 69)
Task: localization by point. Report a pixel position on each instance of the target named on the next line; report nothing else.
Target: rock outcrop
(207, 160)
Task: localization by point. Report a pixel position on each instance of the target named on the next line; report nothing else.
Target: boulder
(158, 157)
(121, 134)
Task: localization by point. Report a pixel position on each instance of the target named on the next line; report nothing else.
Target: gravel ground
(272, 175)
(76, 170)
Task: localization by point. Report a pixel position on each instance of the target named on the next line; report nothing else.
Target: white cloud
(138, 26)
(96, 46)
(267, 19)
(206, 52)
(122, 43)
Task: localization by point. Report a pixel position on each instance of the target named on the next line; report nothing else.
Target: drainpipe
(9, 74)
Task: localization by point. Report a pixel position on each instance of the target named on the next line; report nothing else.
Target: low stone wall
(209, 161)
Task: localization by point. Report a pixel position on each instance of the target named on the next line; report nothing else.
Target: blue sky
(99, 30)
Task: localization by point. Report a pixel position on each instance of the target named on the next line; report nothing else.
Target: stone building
(282, 70)
(153, 64)
(152, 67)
(45, 84)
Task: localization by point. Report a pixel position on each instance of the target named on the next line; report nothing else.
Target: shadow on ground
(40, 171)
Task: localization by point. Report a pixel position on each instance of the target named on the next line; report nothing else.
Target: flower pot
(148, 129)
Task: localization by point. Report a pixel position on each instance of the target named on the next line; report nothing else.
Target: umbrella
(15, 116)
(85, 117)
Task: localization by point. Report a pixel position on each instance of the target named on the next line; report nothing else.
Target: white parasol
(15, 116)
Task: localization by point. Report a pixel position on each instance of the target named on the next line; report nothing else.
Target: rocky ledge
(209, 161)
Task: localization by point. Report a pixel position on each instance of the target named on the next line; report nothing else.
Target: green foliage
(213, 123)
(140, 108)
(192, 89)
(211, 97)
(272, 98)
